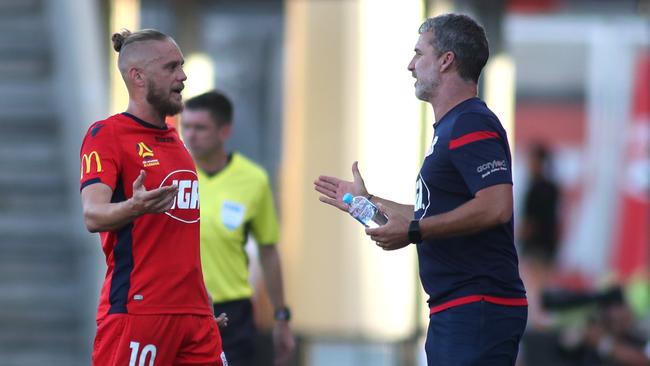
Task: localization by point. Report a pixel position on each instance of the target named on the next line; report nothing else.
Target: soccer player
(139, 190)
(236, 200)
(461, 222)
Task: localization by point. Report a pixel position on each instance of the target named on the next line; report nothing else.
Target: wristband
(282, 314)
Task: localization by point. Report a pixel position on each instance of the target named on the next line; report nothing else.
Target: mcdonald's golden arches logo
(86, 163)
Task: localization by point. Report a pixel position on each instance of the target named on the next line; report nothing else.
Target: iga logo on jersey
(186, 204)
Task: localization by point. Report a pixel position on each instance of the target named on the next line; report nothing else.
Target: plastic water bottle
(364, 211)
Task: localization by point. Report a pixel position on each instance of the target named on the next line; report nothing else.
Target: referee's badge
(232, 214)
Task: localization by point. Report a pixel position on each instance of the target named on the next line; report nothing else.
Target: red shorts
(158, 340)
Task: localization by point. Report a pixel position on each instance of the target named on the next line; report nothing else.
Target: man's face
(165, 79)
(425, 67)
(201, 134)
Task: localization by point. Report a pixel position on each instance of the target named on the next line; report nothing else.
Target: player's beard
(424, 91)
(162, 101)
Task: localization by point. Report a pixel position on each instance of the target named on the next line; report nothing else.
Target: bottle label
(366, 213)
(363, 212)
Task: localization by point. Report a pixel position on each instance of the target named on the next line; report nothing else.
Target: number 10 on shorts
(147, 350)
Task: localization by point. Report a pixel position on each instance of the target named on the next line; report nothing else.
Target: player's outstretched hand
(333, 188)
(154, 201)
(394, 234)
(222, 320)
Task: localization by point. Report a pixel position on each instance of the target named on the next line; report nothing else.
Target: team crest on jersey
(433, 144)
(146, 153)
(422, 196)
(186, 204)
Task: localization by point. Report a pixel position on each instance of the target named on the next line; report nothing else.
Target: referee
(236, 200)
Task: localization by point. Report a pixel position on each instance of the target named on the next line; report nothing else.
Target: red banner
(631, 251)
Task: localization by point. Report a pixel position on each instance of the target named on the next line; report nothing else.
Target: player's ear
(225, 131)
(446, 60)
(136, 76)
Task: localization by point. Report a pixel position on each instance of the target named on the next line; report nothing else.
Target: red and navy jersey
(469, 152)
(153, 263)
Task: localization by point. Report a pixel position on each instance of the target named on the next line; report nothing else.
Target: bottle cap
(347, 198)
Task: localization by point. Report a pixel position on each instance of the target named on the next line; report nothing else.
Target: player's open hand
(394, 234)
(283, 342)
(222, 320)
(333, 188)
(154, 201)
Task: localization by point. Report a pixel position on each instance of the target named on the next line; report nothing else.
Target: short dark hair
(540, 152)
(462, 35)
(215, 102)
(125, 37)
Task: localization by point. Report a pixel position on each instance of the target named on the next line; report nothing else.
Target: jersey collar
(228, 164)
(143, 122)
(455, 109)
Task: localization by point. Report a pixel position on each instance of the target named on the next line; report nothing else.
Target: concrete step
(31, 202)
(50, 357)
(23, 32)
(22, 266)
(27, 97)
(18, 7)
(17, 122)
(17, 65)
(45, 223)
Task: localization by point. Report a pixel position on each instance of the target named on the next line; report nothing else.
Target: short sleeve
(264, 223)
(99, 162)
(479, 150)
